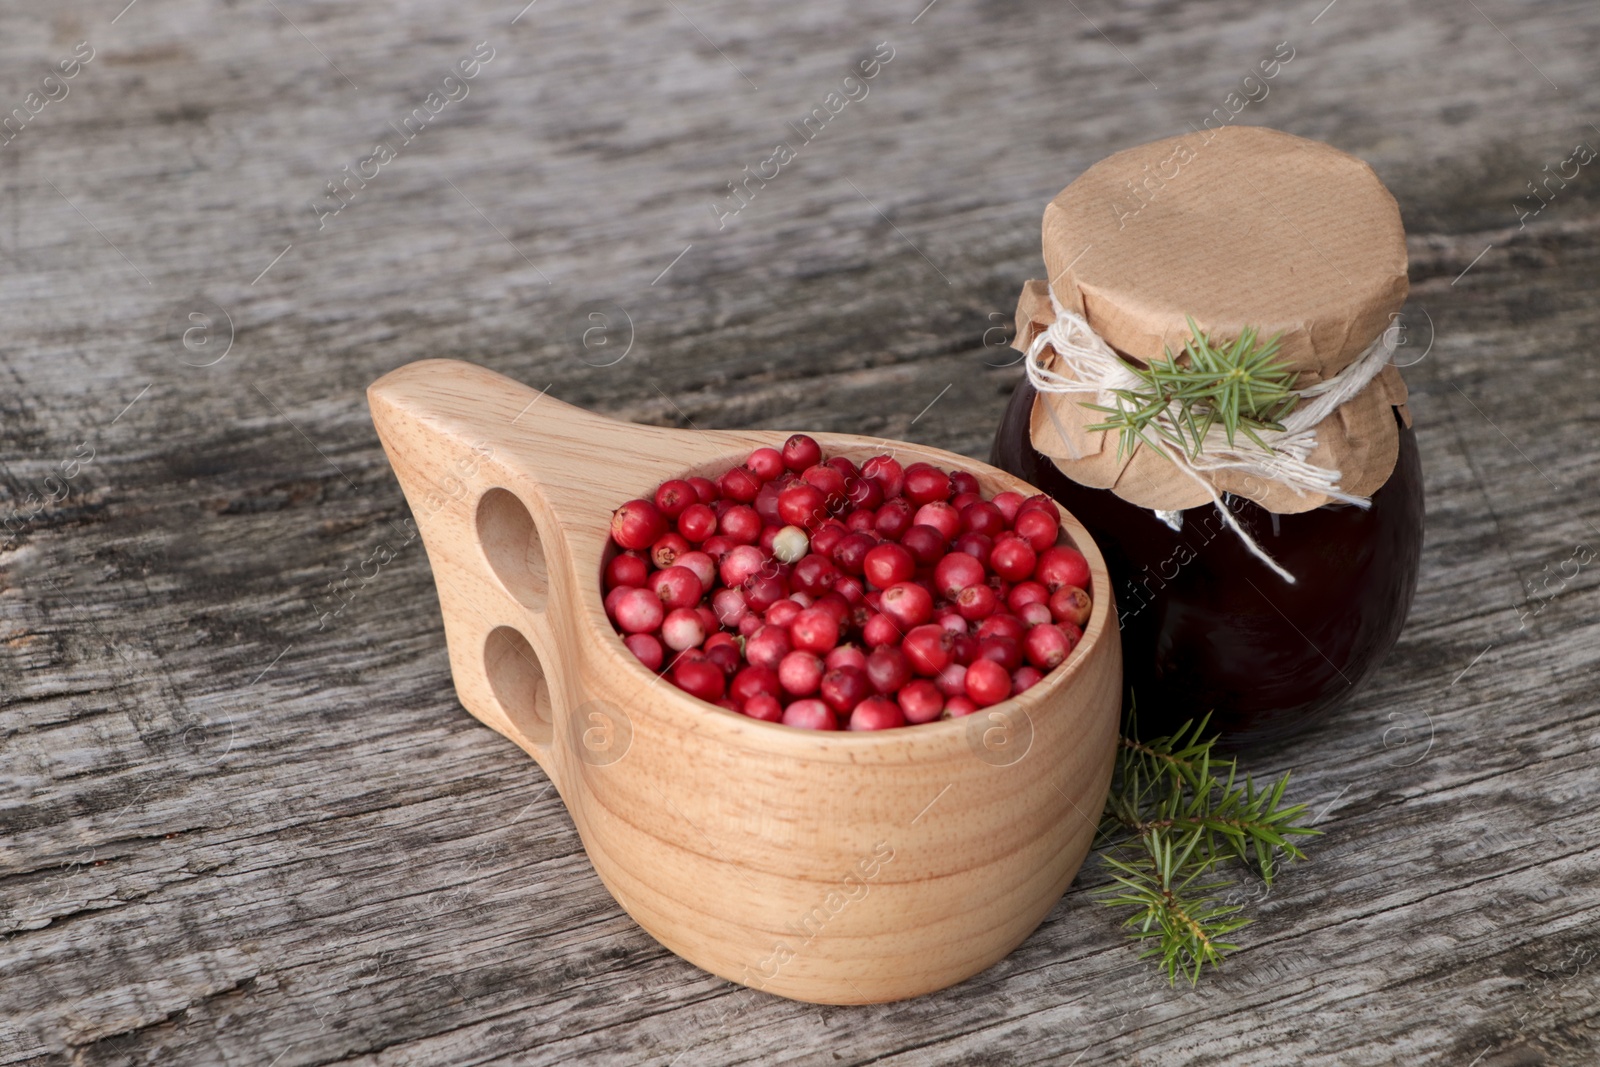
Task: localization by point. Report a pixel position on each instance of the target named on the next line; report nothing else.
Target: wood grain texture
(244, 819)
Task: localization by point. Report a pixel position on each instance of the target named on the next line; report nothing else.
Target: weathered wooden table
(245, 820)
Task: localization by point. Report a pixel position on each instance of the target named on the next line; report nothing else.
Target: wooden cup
(838, 868)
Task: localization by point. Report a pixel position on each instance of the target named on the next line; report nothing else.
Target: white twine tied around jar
(1094, 367)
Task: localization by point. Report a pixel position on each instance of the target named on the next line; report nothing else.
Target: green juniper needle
(1175, 819)
(1238, 386)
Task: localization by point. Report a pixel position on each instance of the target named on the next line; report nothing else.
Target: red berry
(962, 501)
(879, 631)
(741, 564)
(977, 602)
(704, 567)
(647, 649)
(1026, 593)
(800, 673)
(982, 517)
(637, 524)
(844, 467)
(893, 518)
(810, 715)
(800, 452)
(1025, 678)
(705, 489)
(848, 588)
(1037, 527)
(1046, 646)
(925, 483)
(844, 688)
(941, 517)
(876, 713)
(925, 543)
(887, 472)
(729, 606)
(814, 630)
(887, 669)
(699, 678)
(739, 485)
(672, 497)
(814, 574)
(667, 548)
(845, 656)
(927, 649)
(754, 681)
(782, 614)
(626, 568)
(763, 591)
(886, 564)
(1062, 565)
(767, 647)
(964, 482)
(1071, 604)
(952, 681)
(955, 572)
(682, 629)
(763, 707)
(718, 638)
(953, 622)
(988, 682)
(1007, 502)
(726, 657)
(863, 493)
(827, 537)
(956, 707)
(1002, 650)
(676, 587)
(717, 546)
(907, 604)
(827, 479)
(1014, 559)
(741, 523)
(852, 551)
(1002, 625)
(803, 504)
(921, 701)
(976, 545)
(1035, 614)
(964, 648)
(697, 522)
(765, 463)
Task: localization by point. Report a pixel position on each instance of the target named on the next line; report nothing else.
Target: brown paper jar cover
(1238, 227)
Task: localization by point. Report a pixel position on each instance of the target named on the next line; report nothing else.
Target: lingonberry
(810, 715)
(1008, 502)
(876, 713)
(921, 701)
(927, 649)
(646, 649)
(814, 574)
(789, 543)
(887, 669)
(1035, 614)
(977, 602)
(754, 681)
(767, 647)
(704, 567)
(844, 688)
(1062, 565)
(668, 547)
(739, 485)
(963, 648)
(880, 631)
(849, 588)
(826, 537)
(952, 680)
(676, 587)
(766, 503)
(941, 516)
(861, 520)
(925, 543)
(800, 452)
(814, 630)
(765, 463)
(925, 483)
(1037, 527)
(803, 504)
(637, 524)
(1002, 650)
(844, 467)
(884, 565)
(729, 606)
(827, 479)
(800, 673)
(893, 517)
(763, 591)
(1029, 592)
(851, 553)
(741, 523)
(955, 572)
(740, 565)
(957, 707)
(845, 656)
(626, 568)
(837, 606)
(1014, 560)
(681, 629)
(908, 604)
(699, 678)
(1025, 678)
(863, 493)
(982, 517)
(887, 472)
(1002, 624)
(705, 489)
(782, 614)
(976, 545)
(964, 482)
(961, 501)
(763, 707)
(672, 497)
(697, 522)
(724, 656)
(1046, 646)
(1070, 604)
(952, 621)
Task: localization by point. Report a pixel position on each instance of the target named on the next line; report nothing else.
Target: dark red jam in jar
(1207, 627)
(1239, 235)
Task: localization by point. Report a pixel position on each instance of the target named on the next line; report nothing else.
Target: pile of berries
(824, 595)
